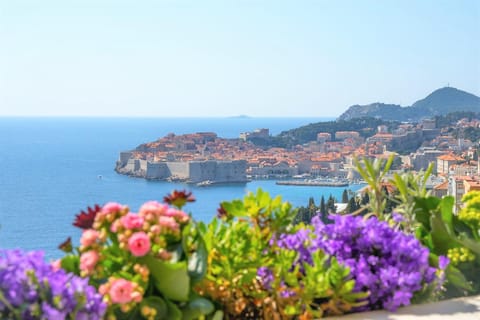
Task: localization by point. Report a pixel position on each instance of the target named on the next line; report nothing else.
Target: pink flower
(177, 214)
(114, 226)
(121, 291)
(168, 223)
(56, 265)
(103, 289)
(153, 207)
(88, 261)
(139, 244)
(111, 207)
(89, 237)
(132, 221)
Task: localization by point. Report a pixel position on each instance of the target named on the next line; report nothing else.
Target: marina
(315, 183)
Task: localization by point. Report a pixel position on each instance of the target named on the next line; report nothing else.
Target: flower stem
(9, 306)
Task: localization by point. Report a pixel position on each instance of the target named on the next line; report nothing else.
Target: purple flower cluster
(266, 277)
(31, 289)
(388, 264)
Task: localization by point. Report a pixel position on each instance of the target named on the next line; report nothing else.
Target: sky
(175, 58)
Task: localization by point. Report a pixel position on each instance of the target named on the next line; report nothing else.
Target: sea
(52, 168)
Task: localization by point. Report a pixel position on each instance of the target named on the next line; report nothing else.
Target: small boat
(204, 183)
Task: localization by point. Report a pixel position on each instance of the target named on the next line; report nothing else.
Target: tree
(331, 208)
(323, 208)
(311, 203)
(345, 196)
(352, 205)
(365, 199)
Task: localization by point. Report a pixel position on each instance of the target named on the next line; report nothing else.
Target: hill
(365, 126)
(440, 102)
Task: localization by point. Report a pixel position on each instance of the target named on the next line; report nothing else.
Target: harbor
(315, 182)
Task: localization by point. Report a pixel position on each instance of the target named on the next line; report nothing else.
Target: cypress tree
(331, 204)
(365, 198)
(351, 206)
(345, 196)
(323, 208)
(311, 203)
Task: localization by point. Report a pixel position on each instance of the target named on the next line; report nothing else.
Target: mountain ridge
(440, 102)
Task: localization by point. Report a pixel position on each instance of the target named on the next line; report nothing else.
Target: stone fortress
(196, 171)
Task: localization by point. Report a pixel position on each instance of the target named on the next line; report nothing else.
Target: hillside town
(203, 158)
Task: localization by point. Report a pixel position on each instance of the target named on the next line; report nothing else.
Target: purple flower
(32, 287)
(286, 293)
(443, 262)
(50, 312)
(266, 277)
(385, 262)
(397, 217)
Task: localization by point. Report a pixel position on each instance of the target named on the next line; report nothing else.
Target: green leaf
(427, 173)
(197, 263)
(171, 279)
(71, 263)
(456, 278)
(441, 237)
(291, 310)
(197, 260)
(158, 304)
(469, 243)
(424, 208)
(347, 287)
(388, 164)
(234, 208)
(400, 184)
(446, 205)
(371, 171)
(218, 315)
(174, 312)
(196, 308)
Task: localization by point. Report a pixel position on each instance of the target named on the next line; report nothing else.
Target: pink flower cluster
(121, 291)
(140, 234)
(148, 232)
(163, 224)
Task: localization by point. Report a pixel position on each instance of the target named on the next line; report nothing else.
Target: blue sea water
(50, 168)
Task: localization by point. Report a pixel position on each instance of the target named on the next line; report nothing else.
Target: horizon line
(166, 117)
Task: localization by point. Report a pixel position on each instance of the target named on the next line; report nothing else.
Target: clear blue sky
(224, 58)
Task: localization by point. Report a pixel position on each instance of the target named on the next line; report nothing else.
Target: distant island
(241, 116)
(320, 153)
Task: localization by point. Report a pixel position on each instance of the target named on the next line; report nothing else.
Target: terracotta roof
(449, 157)
(441, 186)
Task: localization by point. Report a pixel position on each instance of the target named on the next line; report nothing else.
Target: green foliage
(244, 240)
(305, 215)
(365, 126)
(236, 246)
(410, 186)
(445, 234)
(453, 117)
(470, 133)
(331, 207)
(160, 278)
(345, 196)
(432, 221)
(353, 205)
(374, 174)
(171, 279)
(323, 208)
(322, 288)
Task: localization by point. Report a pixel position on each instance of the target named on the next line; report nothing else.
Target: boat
(315, 183)
(205, 183)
